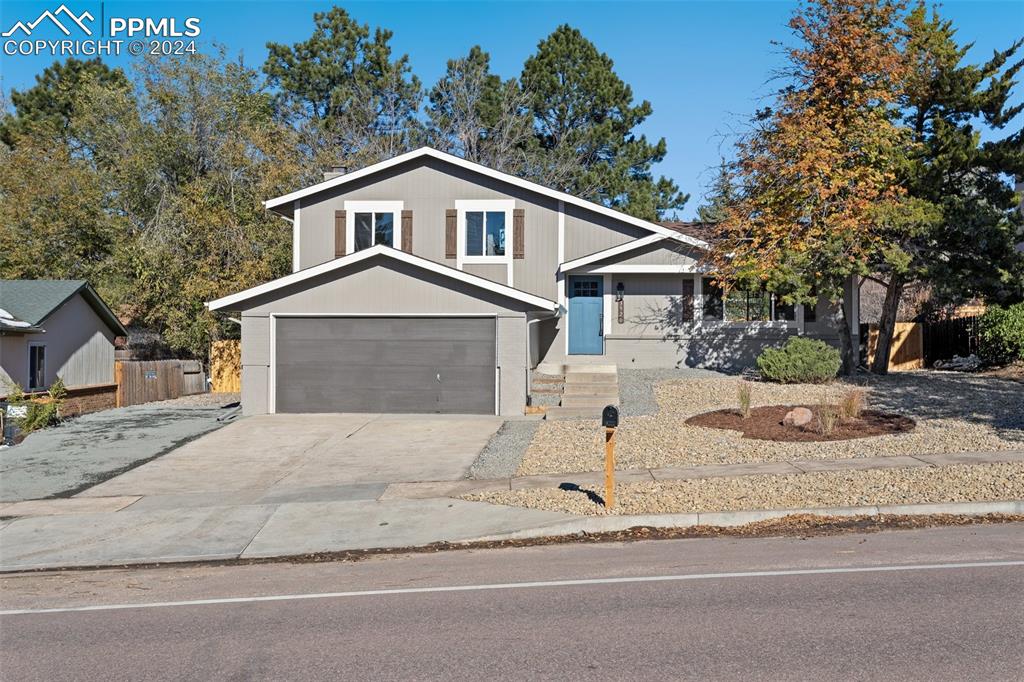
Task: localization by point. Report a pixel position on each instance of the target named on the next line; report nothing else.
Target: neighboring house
(428, 283)
(58, 328)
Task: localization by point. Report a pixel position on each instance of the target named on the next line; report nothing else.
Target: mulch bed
(765, 423)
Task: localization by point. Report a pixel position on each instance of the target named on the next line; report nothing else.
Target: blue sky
(703, 65)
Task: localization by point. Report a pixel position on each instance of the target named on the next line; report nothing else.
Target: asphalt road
(932, 604)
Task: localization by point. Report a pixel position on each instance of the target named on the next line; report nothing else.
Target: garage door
(374, 364)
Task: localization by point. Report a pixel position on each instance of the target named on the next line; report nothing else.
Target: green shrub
(800, 361)
(1002, 333)
(41, 411)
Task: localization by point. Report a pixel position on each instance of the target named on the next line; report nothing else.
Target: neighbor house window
(36, 367)
(372, 223)
(485, 233)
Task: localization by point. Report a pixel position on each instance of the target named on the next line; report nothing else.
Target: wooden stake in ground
(609, 467)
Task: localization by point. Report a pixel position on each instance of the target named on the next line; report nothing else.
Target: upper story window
(485, 233)
(372, 223)
(485, 229)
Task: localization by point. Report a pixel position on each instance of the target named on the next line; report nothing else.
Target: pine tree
(50, 103)
(585, 119)
(720, 196)
(959, 228)
(343, 83)
(817, 172)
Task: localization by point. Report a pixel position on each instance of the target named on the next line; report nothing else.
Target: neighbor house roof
(703, 231)
(288, 200)
(9, 322)
(34, 300)
(387, 252)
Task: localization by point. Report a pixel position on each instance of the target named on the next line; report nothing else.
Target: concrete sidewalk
(124, 529)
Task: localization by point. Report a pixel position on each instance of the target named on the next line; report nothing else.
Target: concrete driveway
(273, 485)
(306, 458)
(65, 459)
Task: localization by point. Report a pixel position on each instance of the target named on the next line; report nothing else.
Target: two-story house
(427, 283)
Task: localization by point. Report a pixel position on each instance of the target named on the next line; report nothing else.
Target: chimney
(334, 172)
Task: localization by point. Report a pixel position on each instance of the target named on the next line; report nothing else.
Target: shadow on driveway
(76, 455)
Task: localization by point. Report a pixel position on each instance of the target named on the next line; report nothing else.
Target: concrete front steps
(587, 390)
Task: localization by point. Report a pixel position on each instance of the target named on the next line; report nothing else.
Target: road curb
(606, 524)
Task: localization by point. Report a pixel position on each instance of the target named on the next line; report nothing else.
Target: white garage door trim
(272, 383)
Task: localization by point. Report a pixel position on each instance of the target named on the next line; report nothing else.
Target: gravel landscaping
(503, 453)
(954, 413)
(957, 483)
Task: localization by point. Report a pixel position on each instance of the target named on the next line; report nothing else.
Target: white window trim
(353, 207)
(296, 236)
(505, 205)
(28, 366)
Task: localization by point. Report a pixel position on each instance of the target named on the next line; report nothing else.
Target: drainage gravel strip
(504, 452)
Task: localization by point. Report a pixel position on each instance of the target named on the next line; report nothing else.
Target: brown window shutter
(451, 219)
(686, 306)
(519, 233)
(339, 234)
(407, 231)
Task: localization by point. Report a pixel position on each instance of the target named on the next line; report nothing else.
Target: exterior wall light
(620, 289)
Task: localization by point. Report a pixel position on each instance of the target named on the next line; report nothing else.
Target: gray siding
(653, 333)
(512, 364)
(651, 305)
(661, 253)
(429, 187)
(79, 348)
(384, 287)
(587, 232)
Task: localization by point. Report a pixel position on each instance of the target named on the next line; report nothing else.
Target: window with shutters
(372, 223)
(485, 230)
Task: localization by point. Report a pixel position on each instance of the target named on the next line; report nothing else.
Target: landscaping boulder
(798, 416)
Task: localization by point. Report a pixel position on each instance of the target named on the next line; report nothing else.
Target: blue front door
(586, 316)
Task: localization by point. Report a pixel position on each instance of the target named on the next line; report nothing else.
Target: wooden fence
(907, 349)
(226, 366)
(146, 381)
(946, 338)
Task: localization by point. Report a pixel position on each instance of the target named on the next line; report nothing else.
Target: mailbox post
(610, 421)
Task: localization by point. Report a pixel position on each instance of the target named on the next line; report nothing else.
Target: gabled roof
(613, 251)
(34, 300)
(341, 180)
(387, 252)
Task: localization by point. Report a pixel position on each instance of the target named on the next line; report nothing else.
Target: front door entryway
(586, 316)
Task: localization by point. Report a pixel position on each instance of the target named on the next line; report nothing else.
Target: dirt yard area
(960, 483)
(954, 413)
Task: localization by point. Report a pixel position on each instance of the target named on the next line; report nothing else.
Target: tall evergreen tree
(720, 196)
(344, 81)
(585, 120)
(475, 115)
(965, 246)
(50, 103)
(817, 173)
